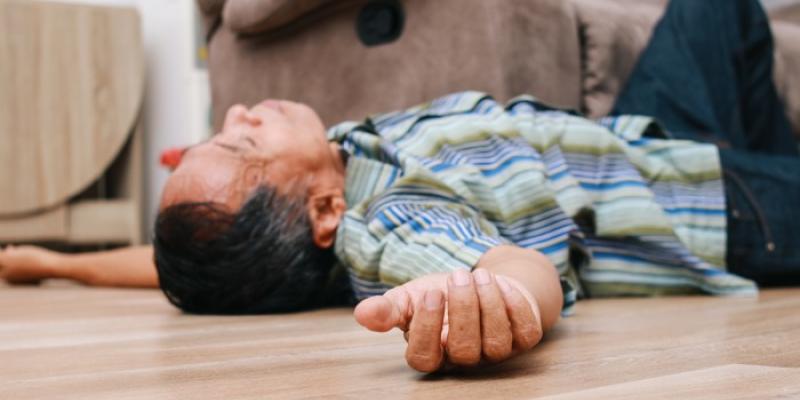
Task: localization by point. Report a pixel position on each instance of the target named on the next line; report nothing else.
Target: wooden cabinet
(71, 88)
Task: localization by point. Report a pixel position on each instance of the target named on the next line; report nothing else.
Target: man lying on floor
(540, 204)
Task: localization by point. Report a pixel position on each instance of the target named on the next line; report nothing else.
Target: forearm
(125, 267)
(534, 272)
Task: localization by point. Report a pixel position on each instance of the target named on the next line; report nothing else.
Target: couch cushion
(612, 33)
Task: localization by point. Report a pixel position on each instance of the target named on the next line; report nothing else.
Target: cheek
(253, 176)
(289, 178)
(277, 174)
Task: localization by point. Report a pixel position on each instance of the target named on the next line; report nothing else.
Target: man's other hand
(26, 264)
(459, 319)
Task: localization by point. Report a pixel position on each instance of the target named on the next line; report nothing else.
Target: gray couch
(570, 53)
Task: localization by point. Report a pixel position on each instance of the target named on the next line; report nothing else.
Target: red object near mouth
(171, 158)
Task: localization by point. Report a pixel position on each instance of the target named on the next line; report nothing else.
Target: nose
(239, 115)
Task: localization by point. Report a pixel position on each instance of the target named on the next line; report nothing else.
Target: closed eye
(229, 147)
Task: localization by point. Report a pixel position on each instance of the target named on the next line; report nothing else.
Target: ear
(325, 211)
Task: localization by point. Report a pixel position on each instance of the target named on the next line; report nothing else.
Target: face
(280, 143)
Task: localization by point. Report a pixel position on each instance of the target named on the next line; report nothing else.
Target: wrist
(65, 266)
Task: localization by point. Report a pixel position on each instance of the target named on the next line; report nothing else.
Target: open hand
(459, 319)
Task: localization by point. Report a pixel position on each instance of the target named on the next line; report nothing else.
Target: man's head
(248, 218)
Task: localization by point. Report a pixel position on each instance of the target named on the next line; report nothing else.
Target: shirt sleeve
(410, 232)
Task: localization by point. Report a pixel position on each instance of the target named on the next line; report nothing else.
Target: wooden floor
(72, 342)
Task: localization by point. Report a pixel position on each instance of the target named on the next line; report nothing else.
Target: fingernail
(433, 300)
(482, 277)
(461, 277)
(504, 285)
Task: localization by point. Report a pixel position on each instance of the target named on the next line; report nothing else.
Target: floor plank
(73, 342)
(735, 381)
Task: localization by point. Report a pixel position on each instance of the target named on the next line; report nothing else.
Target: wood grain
(71, 83)
(62, 341)
(84, 222)
(735, 381)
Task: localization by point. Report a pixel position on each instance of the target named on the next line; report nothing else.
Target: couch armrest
(211, 10)
(255, 16)
(505, 48)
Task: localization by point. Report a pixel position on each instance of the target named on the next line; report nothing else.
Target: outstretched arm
(498, 311)
(125, 267)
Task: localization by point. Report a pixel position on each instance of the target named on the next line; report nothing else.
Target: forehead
(212, 177)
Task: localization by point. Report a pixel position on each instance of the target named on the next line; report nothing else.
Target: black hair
(260, 259)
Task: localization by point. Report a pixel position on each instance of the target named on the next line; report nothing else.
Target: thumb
(382, 313)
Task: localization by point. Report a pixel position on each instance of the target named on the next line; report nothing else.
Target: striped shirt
(431, 188)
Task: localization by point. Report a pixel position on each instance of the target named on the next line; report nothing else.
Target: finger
(445, 328)
(464, 337)
(2, 257)
(382, 313)
(526, 328)
(495, 326)
(424, 352)
(443, 338)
